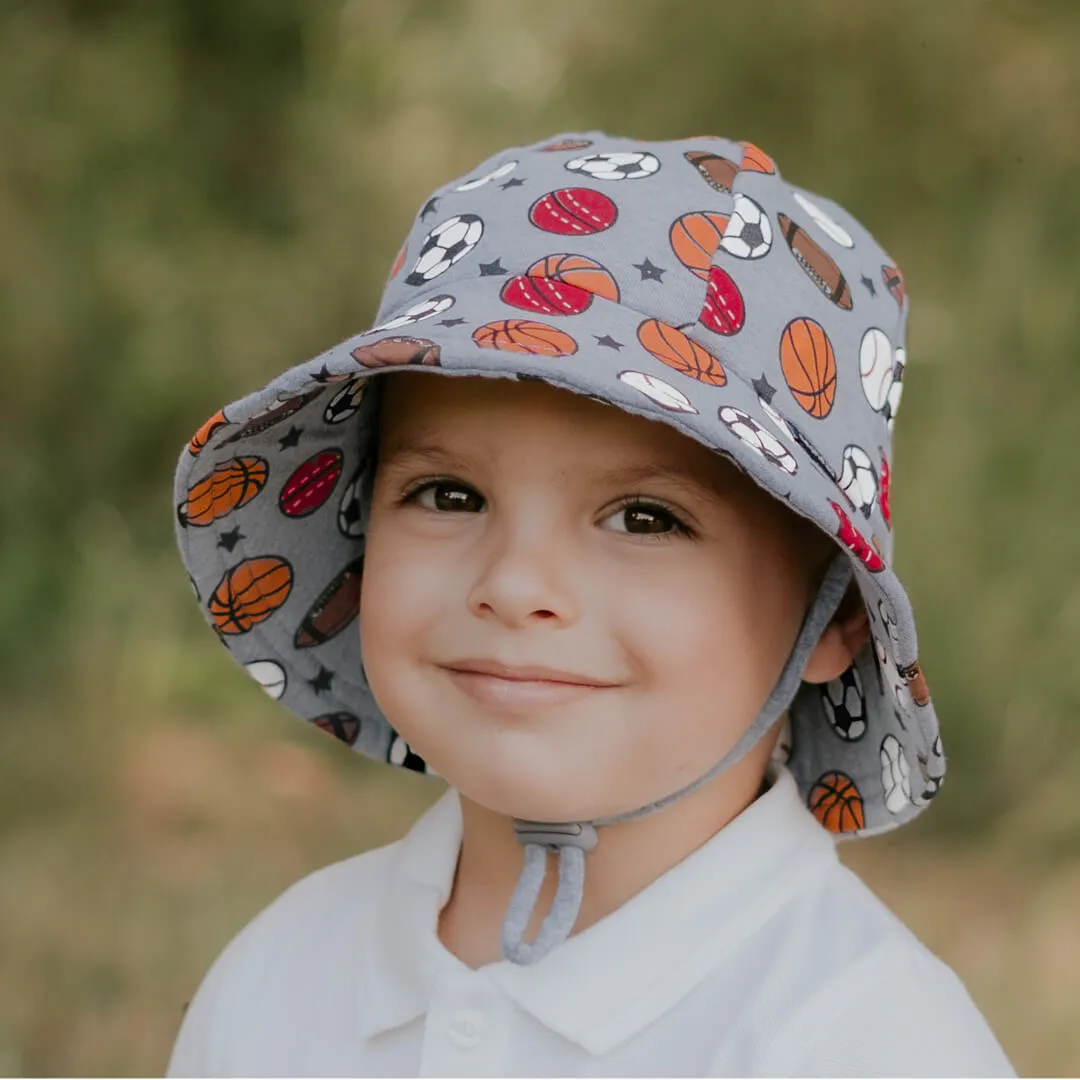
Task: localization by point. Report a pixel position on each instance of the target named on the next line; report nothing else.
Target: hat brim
(270, 525)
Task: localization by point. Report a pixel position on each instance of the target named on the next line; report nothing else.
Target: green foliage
(195, 194)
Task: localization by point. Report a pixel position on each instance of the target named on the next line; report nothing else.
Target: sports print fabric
(684, 281)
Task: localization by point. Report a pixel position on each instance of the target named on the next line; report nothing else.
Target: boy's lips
(517, 686)
(524, 672)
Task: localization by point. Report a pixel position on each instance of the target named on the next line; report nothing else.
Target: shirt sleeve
(192, 1053)
(198, 1050)
(900, 1012)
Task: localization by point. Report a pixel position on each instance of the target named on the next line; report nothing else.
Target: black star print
(764, 389)
(429, 208)
(321, 683)
(869, 283)
(650, 272)
(492, 269)
(229, 540)
(324, 375)
(292, 439)
(514, 181)
(451, 322)
(608, 342)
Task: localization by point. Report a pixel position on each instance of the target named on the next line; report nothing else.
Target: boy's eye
(635, 516)
(445, 495)
(644, 518)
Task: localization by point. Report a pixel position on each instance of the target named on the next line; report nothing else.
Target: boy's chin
(530, 796)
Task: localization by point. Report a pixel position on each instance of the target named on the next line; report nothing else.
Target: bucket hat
(684, 281)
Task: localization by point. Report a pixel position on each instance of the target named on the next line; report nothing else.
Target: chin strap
(571, 840)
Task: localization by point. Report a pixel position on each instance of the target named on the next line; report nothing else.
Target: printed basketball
(755, 159)
(342, 725)
(206, 432)
(398, 352)
(718, 172)
(232, 484)
(578, 271)
(524, 336)
(671, 346)
(809, 365)
(333, 610)
(819, 265)
(249, 593)
(311, 484)
(573, 212)
(835, 801)
(695, 237)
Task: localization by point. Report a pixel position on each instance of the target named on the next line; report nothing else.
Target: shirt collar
(605, 983)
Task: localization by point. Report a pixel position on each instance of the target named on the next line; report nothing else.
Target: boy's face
(518, 523)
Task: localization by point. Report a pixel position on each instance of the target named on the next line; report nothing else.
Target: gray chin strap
(571, 840)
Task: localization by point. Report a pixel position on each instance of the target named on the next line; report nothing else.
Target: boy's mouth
(496, 683)
(518, 693)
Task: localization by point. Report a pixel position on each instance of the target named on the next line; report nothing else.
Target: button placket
(467, 1027)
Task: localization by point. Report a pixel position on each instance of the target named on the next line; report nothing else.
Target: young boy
(626, 587)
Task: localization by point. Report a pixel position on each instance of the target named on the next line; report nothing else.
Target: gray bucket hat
(683, 281)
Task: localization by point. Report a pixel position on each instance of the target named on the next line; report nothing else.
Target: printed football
(448, 242)
(845, 706)
(748, 234)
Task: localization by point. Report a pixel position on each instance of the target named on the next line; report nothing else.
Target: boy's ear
(843, 638)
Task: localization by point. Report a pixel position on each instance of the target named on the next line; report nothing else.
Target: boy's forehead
(448, 423)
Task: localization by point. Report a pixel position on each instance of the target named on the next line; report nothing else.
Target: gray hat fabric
(683, 281)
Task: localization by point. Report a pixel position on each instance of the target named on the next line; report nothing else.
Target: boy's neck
(629, 857)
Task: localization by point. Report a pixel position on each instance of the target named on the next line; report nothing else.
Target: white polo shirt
(759, 954)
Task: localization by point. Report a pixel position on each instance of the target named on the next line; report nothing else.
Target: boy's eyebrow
(623, 475)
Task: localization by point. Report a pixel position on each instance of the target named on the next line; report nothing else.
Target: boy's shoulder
(843, 987)
(298, 959)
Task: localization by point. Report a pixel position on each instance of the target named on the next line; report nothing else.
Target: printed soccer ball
(448, 242)
(858, 479)
(895, 775)
(845, 706)
(345, 402)
(400, 753)
(748, 234)
(624, 166)
(426, 309)
(350, 519)
(762, 442)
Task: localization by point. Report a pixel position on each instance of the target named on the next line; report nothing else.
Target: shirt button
(467, 1027)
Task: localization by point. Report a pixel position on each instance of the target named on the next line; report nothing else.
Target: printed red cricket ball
(573, 212)
(724, 311)
(311, 484)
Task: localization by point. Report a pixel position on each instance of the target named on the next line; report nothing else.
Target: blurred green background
(196, 194)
